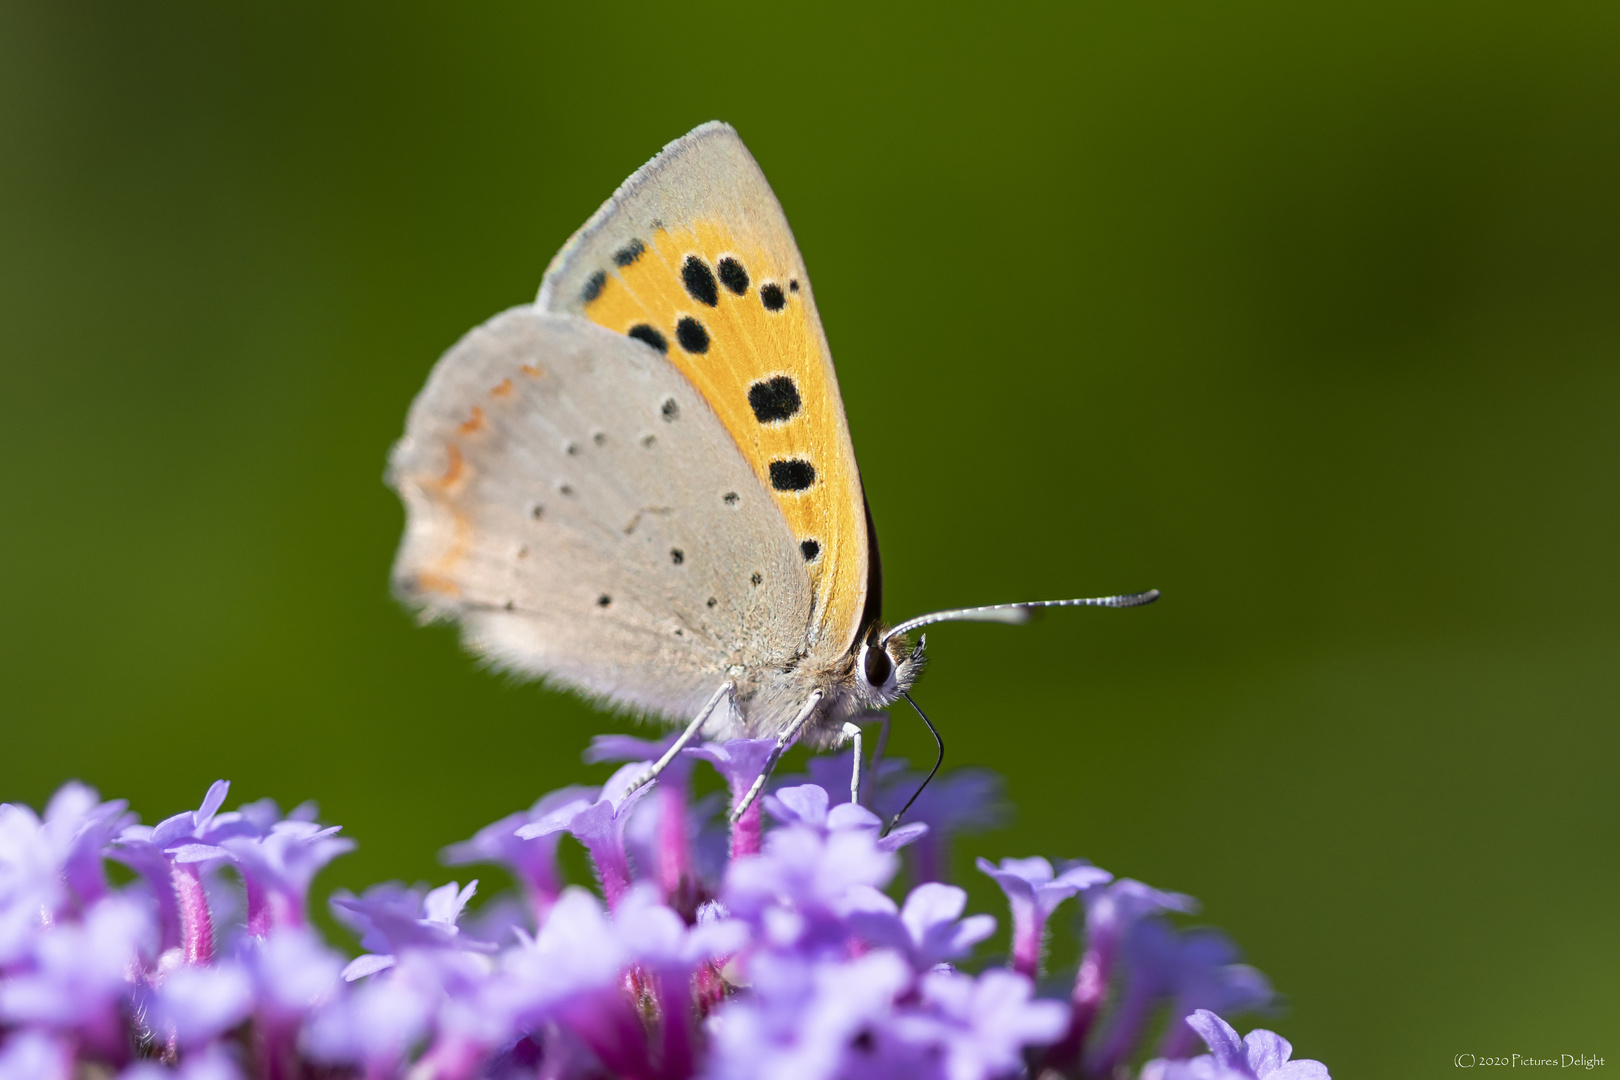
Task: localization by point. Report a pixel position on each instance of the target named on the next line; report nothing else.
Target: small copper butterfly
(642, 486)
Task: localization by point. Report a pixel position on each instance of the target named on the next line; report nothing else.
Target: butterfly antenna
(1016, 613)
(938, 761)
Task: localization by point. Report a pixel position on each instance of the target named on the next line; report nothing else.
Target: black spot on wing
(810, 549)
(604, 600)
(774, 400)
(690, 333)
(792, 474)
(628, 254)
(643, 332)
(669, 410)
(593, 286)
(733, 276)
(713, 601)
(757, 578)
(793, 286)
(771, 296)
(677, 556)
(730, 498)
(699, 281)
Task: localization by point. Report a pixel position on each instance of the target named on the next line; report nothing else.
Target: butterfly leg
(783, 741)
(852, 731)
(727, 688)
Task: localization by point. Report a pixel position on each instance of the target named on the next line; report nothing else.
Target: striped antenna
(1018, 613)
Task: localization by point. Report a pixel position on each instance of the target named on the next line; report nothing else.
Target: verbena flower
(1259, 1055)
(818, 948)
(1034, 891)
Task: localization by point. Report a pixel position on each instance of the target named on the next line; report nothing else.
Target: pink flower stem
(674, 852)
(196, 928)
(745, 833)
(1026, 944)
(1090, 987)
(612, 868)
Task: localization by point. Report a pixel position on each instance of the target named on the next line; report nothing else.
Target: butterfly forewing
(577, 505)
(693, 258)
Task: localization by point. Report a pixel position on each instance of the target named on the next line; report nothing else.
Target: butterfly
(642, 486)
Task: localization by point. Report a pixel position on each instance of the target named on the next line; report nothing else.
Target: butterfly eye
(877, 665)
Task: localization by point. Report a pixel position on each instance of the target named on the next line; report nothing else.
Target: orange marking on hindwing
(445, 489)
(455, 471)
(428, 581)
(502, 388)
(473, 422)
(532, 371)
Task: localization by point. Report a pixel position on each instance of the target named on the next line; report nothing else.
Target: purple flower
(533, 862)
(1200, 969)
(1111, 912)
(576, 953)
(1194, 969)
(169, 855)
(668, 953)
(804, 1019)
(598, 976)
(599, 825)
(831, 772)
(629, 748)
(867, 1017)
(800, 888)
(52, 867)
(801, 968)
(993, 1019)
(33, 1055)
(1259, 1055)
(808, 805)
(740, 761)
(571, 974)
(194, 1004)
(373, 1025)
(215, 1063)
(957, 802)
(293, 972)
(928, 930)
(662, 832)
(389, 919)
(1033, 892)
(278, 861)
(79, 977)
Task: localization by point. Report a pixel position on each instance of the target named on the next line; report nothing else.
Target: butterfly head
(886, 665)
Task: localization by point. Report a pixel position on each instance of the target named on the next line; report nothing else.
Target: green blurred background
(1307, 317)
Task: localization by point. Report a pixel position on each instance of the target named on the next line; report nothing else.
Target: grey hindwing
(578, 508)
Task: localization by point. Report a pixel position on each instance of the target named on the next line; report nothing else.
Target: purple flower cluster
(777, 949)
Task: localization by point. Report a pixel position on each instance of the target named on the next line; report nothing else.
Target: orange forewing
(748, 344)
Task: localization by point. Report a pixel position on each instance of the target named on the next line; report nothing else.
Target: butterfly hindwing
(693, 257)
(581, 510)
